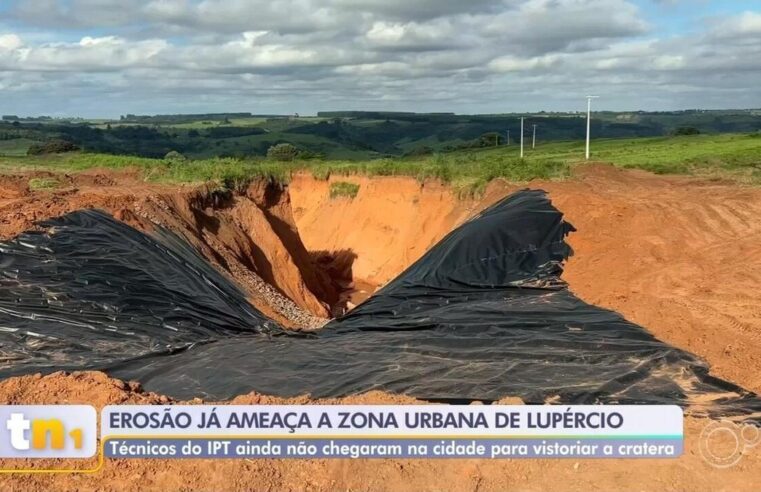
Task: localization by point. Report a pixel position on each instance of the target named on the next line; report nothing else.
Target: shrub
(175, 156)
(686, 130)
(419, 150)
(56, 146)
(343, 189)
(43, 183)
(489, 139)
(309, 155)
(282, 152)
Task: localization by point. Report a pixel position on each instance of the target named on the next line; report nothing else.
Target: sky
(104, 58)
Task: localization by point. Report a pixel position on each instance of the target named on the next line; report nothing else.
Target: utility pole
(533, 140)
(521, 138)
(508, 137)
(589, 119)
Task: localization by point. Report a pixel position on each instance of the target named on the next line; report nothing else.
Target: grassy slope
(733, 156)
(680, 155)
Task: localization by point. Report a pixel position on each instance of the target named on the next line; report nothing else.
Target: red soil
(249, 234)
(676, 255)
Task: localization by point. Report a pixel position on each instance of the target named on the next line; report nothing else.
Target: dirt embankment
(250, 234)
(389, 224)
(676, 255)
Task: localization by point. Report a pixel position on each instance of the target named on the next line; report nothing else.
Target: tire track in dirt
(679, 256)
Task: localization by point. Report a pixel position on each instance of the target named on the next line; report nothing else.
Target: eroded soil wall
(676, 255)
(249, 233)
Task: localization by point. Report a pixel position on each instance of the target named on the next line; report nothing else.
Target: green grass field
(731, 156)
(15, 147)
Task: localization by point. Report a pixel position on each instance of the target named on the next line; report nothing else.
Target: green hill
(351, 135)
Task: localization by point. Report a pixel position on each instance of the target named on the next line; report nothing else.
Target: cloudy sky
(108, 57)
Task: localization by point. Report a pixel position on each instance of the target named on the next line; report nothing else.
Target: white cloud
(10, 42)
(747, 23)
(414, 36)
(516, 64)
(88, 55)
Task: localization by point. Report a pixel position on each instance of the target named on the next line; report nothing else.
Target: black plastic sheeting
(483, 315)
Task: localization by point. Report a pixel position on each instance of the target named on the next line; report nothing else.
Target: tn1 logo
(39, 430)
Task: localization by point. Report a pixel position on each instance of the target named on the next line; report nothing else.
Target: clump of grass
(36, 184)
(468, 187)
(343, 189)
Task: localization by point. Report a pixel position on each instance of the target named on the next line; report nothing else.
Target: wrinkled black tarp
(481, 316)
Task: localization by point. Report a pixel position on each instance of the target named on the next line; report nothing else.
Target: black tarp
(483, 315)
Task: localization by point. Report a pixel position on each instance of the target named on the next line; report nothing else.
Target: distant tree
(311, 155)
(56, 146)
(686, 130)
(282, 152)
(193, 134)
(175, 156)
(489, 139)
(420, 150)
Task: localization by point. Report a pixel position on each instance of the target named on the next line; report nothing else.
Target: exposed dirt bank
(690, 472)
(249, 234)
(389, 224)
(677, 255)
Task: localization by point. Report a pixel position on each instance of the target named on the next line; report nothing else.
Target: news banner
(343, 431)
